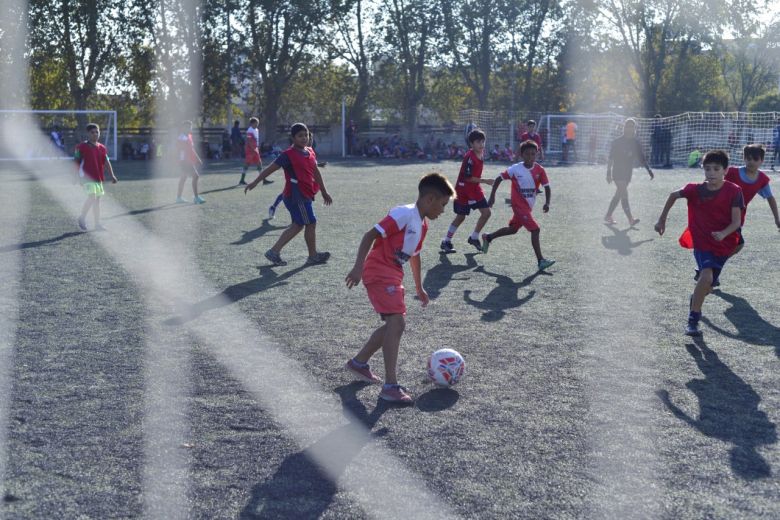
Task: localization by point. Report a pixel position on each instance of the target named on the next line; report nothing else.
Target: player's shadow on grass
(503, 297)
(728, 411)
(249, 236)
(144, 211)
(217, 190)
(300, 488)
(437, 399)
(39, 243)
(751, 327)
(442, 273)
(268, 279)
(620, 241)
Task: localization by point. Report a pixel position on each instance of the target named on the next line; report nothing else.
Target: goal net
(58, 131)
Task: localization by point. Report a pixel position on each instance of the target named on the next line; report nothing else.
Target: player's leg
(612, 205)
(461, 210)
(96, 213)
(394, 329)
(541, 261)
(622, 189)
(358, 365)
(287, 235)
(484, 215)
(182, 179)
(272, 207)
(85, 209)
(243, 174)
(197, 199)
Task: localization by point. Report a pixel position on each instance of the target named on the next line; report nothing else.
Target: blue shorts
(708, 260)
(301, 210)
(465, 209)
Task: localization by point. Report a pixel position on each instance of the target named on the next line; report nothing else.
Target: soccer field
(582, 398)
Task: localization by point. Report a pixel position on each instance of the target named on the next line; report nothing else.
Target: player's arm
(354, 276)
(736, 221)
(416, 265)
(609, 169)
(773, 206)
(547, 194)
(660, 226)
(263, 174)
(492, 198)
(318, 179)
(111, 170)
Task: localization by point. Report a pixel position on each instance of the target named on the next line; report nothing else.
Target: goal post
(59, 131)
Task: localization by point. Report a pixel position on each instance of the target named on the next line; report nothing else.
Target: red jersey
(710, 211)
(186, 148)
(532, 137)
(92, 161)
(749, 189)
(299, 167)
(471, 167)
(525, 182)
(402, 233)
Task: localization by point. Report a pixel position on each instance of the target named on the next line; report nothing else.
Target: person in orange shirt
(571, 138)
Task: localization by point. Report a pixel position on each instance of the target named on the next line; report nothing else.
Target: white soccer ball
(446, 367)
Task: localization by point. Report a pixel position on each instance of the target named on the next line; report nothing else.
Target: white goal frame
(108, 131)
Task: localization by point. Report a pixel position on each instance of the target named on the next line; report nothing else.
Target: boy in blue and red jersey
(302, 180)
(532, 135)
(468, 192)
(382, 253)
(92, 158)
(714, 217)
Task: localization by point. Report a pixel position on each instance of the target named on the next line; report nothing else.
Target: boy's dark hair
(476, 135)
(92, 126)
(531, 122)
(528, 144)
(754, 151)
(297, 128)
(254, 120)
(716, 156)
(435, 183)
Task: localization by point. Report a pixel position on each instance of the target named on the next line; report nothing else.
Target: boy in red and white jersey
(714, 217)
(188, 164)
(526, 178)
(92, 158)
(753, 182)
(252, 155)
(468, 192)
(382, 253)
(302, 180)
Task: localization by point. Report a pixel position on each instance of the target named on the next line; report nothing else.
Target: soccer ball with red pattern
(445, 367)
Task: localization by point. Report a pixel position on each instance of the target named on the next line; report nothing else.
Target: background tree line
(403, 61)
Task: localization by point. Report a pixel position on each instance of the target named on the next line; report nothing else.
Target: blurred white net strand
(166, 276)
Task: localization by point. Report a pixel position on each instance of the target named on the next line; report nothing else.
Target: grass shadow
(249, 236)
(503, 297)
(144, 211)
(437, 399)
(620, 241)
(728, 411)
(300, 488)
(268, 279)
(440, 275)
(39, 243)
(751, 327)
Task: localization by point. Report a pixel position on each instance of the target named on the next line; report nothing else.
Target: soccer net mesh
(58, 132)
(667, 141)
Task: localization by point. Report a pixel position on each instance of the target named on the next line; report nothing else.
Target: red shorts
(523, 219)
(251, 157)
(386, 298)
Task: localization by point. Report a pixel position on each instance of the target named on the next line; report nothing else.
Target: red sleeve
(543, 177)
(505, 175)
(732, 174)
(688, 191)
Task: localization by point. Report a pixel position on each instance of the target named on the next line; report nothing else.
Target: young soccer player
(301, 176)
(252, 155)
(624, 153)
(469, 194)
(92, 158)
(714, 216)
(533, 136)
(753, 182)
(188, 164)
(527, 176)
(398, 238)
(280, 197)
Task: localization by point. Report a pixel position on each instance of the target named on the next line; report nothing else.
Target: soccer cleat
(363, 373)
(319, 258)
(242, 182)
(274, 257)
(475, 242)
(544, 264)
(396, 394)
(692, 329)
(447, 246)
(271, 212)
(82, 224)
(634, 222)
(485, 242)
(609, 220)
(716, 283)
(198, 200)
(180, 200)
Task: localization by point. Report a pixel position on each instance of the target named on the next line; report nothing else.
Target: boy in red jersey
(398, 238)
(527, 177)
(753, 182)
(188, 164)
(531, 134)
(92, 158)
(302, 180)
(714, 216)
(468, 192)
(252, 150)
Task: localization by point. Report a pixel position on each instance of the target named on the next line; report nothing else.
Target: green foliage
(769, 102)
